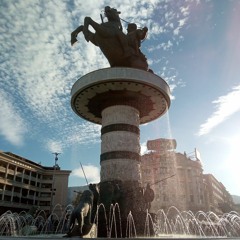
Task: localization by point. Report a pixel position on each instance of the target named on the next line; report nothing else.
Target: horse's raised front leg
(75, 33)
(99, 29)
(87, 22)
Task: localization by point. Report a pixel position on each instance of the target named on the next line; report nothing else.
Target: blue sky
(193, 45)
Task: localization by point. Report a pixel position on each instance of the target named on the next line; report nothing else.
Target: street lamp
(56, 158)
(53, 182)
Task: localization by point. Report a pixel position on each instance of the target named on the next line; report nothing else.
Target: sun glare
(231, 164)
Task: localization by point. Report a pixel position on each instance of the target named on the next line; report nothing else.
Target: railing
(14, 204)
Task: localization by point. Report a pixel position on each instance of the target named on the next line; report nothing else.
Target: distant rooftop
(162, 144)
(29, 161)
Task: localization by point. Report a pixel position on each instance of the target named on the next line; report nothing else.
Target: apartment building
(25, 184)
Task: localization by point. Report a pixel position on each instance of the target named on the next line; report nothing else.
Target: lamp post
(56, 158)
(53, 181)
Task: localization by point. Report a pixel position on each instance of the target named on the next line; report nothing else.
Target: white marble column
(120, 148)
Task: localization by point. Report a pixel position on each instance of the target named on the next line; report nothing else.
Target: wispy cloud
(39, 66)
(225, 106)
(169, 74)
(54, 146)
(92, 173)
(12, 125)
(70, 134)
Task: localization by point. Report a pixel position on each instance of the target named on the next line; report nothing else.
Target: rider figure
(135, 36)
(131, 41)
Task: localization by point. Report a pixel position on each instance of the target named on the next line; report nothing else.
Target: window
(26, 181)
(18, 179)
(8, 188)
(47, 177)
(10, 177)
(45, 195)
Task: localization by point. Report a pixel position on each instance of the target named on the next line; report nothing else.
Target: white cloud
(54, 146)
(170, 75)
(12, 125)
(39, 66)
(164, 46)
(144, 149)
(92, 173)
(185, 10)
(182, 22)
(70, 134)
(225, 107)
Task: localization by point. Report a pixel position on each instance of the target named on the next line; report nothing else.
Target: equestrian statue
(120, 49)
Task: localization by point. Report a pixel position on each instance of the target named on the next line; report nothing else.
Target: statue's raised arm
(120, 49)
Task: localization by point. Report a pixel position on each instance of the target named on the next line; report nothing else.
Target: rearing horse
(111, 40)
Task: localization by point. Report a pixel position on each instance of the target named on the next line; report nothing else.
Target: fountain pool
(170, 224)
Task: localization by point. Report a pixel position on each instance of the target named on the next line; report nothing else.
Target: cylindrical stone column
(120, 99)
(120, 149)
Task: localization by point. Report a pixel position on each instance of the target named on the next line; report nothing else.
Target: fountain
(120, 98)
(184, 224)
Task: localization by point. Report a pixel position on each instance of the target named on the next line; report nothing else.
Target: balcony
(2, 169)
(11, 172)
(2, 180)
(14, 204)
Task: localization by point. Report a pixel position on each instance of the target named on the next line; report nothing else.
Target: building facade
(159, 170)
(192, 189)
(25, 184)
(178, 180)
(219, 199)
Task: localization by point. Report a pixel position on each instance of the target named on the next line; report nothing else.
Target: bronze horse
(115, 45)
